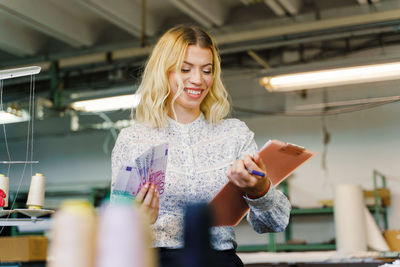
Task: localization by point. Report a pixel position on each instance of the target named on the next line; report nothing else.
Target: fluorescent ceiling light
(14, 116)
(332, 77)
(19, 72)
(107, 103)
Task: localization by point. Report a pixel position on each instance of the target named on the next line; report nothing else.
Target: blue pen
(257, 173)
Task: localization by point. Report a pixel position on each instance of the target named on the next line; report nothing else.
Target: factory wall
(360, 142)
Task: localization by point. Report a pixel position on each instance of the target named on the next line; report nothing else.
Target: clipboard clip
(293, 149)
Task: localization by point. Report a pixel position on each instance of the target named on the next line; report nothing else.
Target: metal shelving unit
(25, 222)
(378, 209)
(94, 195)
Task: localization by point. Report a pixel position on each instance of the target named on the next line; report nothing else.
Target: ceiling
(101, 45)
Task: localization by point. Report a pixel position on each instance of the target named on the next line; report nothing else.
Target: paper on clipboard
(280, 160)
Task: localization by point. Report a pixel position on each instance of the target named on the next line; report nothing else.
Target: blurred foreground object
(73, 235)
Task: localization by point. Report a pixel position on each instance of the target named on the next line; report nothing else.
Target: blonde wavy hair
(168, 55)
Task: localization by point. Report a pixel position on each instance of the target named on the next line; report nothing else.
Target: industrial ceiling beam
(258, 59)
(319, 25)
(244, 40)
(51, 21)
(124, 14)
(366, 2)
(292, 6)
(208, 13)
(18, 40)
(275, 7)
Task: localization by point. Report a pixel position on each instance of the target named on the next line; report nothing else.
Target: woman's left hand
(148, 199)
(253, 185)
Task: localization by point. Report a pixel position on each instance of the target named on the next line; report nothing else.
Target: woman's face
(197, 78)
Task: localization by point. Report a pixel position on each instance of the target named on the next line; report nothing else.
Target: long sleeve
(271, 212)
(119, 155)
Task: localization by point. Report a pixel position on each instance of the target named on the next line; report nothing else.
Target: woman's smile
(194, 93)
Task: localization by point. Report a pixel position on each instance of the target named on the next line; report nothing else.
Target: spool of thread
(349, 216)
(122, 238)
(4, 184)
(73, 235)
(36, 192)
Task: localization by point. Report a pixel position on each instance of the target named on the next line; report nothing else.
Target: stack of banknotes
(149, 167)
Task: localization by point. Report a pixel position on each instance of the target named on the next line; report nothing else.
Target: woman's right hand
(148, 199)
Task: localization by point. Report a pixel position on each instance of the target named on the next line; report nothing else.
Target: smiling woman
(195, 78)
(183, 58)
(184, 103)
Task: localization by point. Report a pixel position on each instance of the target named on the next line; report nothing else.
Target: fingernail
(146, 185)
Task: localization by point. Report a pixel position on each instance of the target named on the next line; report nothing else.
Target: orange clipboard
(280, 159)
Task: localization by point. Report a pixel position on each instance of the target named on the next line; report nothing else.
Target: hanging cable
(4, 129)
(330, 111)
(28, 144)
(32, 114)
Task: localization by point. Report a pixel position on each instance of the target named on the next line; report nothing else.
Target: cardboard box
(393, 239)
(383, 194)
(23, 248)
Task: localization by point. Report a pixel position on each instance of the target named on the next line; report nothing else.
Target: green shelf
(311, 211)
(328, 210)
(287, 247)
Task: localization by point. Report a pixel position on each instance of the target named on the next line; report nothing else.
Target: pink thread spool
(121, 241)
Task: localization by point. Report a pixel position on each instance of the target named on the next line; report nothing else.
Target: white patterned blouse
(199, 155)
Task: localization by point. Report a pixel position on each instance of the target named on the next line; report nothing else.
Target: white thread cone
(36, 191)
(73, 236)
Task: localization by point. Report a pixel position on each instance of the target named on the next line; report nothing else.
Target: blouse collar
(194, 124)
